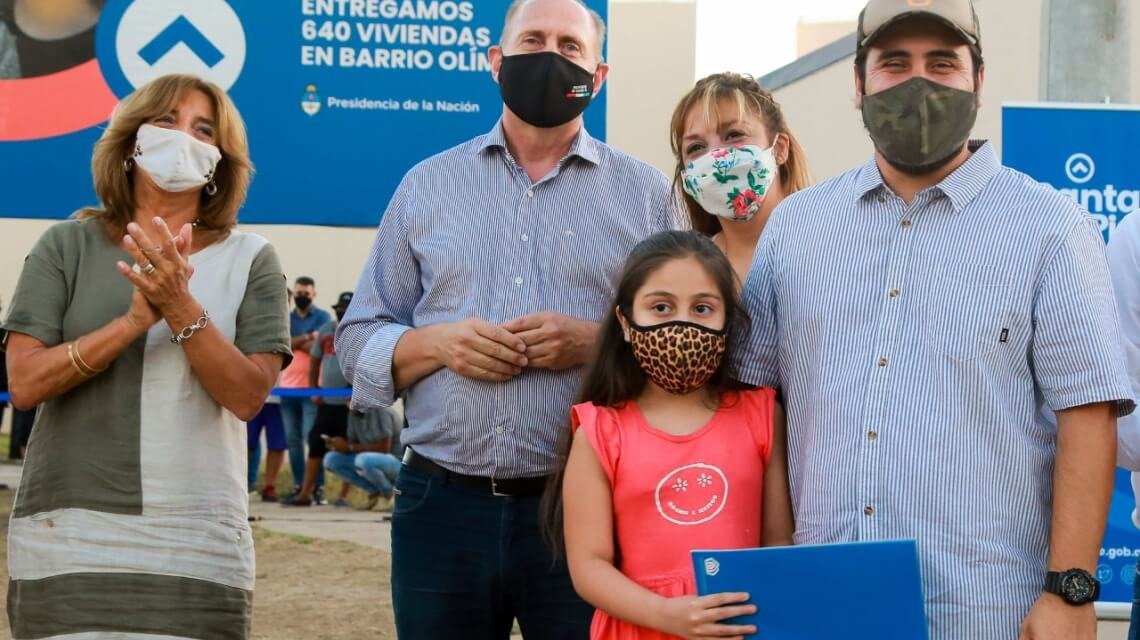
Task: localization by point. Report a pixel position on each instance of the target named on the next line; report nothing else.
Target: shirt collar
(968, 180)
(961, 187)
(584, 145)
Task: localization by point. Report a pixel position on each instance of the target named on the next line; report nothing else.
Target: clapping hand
(162, 273)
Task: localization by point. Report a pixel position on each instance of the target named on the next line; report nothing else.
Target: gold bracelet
(74, 363)
(83, 362)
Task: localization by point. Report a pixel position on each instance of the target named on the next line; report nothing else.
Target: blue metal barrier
(278, 391)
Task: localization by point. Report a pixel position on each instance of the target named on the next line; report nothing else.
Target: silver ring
(148, 268)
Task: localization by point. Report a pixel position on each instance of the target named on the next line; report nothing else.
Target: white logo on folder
(712, 567)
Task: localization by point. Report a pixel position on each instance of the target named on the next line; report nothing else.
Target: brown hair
(751, 99)
(114, 183)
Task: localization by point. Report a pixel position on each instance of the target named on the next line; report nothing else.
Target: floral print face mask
(731, 182)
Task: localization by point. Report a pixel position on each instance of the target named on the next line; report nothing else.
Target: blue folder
(853, 591)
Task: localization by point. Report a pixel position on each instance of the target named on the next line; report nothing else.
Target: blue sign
(1120, 550)
(340, 97)
(1088, 152)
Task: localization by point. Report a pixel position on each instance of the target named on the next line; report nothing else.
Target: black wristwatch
(1075, 586)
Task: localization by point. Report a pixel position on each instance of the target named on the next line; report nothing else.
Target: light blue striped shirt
(917, 347)
(467, 234)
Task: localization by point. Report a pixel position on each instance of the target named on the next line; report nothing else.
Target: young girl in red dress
(667, 455)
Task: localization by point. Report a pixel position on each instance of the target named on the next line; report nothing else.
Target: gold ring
(151, 250)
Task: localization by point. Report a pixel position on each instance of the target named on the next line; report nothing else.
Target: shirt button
(530, 193)
(498, 429)
(882, 362)
(868, 511)
(525, 237)
(894, 293)
(882, 198)
(873, 435)
(518, 281)
(906, 224)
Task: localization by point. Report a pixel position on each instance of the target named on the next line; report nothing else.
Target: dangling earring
(211, 187)
(128, 164)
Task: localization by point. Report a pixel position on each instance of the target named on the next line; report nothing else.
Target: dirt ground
(307, 589)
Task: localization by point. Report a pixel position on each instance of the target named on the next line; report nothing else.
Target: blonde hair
(114, 181)
(752, 100)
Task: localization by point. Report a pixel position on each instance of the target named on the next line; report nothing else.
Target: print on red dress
(692, 494)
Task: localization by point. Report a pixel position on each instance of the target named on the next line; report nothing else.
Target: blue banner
(1088, 152)
(340, 97)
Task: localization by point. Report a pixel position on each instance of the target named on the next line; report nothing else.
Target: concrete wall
(821, 113)
(813, 35)
(642, 88)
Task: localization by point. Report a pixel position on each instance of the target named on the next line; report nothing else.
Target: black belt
(519, 487)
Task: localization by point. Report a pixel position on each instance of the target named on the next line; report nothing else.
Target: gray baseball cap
(959, 15)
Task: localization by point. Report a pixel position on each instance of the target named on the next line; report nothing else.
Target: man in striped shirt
(492, 264)
(926, 314)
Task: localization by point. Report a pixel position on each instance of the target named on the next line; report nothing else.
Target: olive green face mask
(919, 126)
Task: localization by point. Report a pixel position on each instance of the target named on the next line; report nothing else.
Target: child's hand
(695, 617)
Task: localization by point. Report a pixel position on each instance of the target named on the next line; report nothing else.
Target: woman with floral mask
(147, 330)
(736, 160)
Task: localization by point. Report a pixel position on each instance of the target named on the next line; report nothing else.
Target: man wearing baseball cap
(926, 315)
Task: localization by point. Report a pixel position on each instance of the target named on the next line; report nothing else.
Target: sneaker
(319, 496)
(373, 498)
(342, 502)
(269, 494)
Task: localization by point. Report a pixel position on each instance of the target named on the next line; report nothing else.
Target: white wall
(651, 51)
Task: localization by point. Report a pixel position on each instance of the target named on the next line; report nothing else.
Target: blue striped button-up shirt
(467, 234)
(920, 348)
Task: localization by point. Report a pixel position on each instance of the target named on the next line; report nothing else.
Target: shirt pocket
(966, 312)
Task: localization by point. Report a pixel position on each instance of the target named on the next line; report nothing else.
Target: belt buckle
(495, 490)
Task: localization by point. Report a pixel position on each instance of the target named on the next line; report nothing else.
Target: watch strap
(1053, 582)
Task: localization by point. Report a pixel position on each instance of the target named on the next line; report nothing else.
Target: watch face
(1078, 587)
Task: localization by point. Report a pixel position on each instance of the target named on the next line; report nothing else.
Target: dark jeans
(465, 565)
(22, 422)
(1134, 628)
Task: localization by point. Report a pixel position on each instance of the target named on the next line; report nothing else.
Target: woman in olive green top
(148, 329)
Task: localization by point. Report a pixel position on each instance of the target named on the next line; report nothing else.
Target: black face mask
(302, 302)
(545, 89)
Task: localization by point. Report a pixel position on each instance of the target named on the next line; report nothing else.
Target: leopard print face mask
(678, 356)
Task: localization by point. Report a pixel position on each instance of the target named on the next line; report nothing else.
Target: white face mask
(731, 182)
(173, 159)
